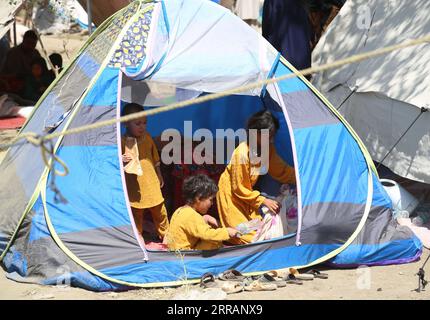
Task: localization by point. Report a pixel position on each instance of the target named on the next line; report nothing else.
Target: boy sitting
(190, 228)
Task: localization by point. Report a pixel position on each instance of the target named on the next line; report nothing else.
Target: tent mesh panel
(132, 49)
(104, 42)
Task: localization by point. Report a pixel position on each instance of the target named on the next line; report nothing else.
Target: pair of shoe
(264, 282)
(292, 276)
(232, 281)
(208, 281)
(295, 277)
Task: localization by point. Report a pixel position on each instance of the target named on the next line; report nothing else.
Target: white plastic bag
(271, 228)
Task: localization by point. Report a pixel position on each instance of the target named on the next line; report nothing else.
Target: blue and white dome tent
(195, 47)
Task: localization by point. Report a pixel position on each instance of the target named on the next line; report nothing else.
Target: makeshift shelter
(57, 17)
(8, 10)
(195, 47)
(385, 99)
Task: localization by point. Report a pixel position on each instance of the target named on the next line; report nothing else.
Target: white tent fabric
(389, 90)
(185, 63)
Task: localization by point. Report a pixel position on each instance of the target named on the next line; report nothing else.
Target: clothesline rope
(30, 136)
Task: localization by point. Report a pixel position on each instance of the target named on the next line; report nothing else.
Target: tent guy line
(422, 111)
(38, 139)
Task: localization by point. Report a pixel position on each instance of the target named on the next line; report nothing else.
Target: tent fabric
(343, 210)
(401, 75)
(381, 122)
(382, 96)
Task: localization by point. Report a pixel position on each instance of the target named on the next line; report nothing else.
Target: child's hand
(126, 158)
(233, 232)
(211, 221)
(160, 178)
(272, 205)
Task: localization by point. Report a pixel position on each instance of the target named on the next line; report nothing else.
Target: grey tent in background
(382, 97)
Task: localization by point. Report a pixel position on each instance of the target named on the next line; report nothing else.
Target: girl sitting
(190, 227)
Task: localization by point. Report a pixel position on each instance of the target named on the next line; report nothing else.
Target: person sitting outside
(190, 227)
(57, 62)
(19, 59)
(37, 82)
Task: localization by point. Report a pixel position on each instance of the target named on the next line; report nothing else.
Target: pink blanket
(11, 123)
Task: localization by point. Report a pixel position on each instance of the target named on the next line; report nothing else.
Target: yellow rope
(336, 64)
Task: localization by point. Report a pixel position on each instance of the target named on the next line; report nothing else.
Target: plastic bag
(131, 149)
(272, 227)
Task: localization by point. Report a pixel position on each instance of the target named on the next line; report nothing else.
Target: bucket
(401, 199)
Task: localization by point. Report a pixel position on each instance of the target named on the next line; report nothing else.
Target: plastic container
(403, 202)
(249, 226)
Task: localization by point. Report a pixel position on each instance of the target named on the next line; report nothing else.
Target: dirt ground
(376, 283)
(388, 282)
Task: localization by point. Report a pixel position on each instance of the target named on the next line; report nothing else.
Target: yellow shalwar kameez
(189, 231)
(237, 201)
(144, 191)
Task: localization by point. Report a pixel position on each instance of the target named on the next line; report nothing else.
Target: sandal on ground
(301, 276)
(291, 279)
(230, 287)
(268, 278)
(231, 275)
(208, 281)
(257, 285)
(318, 274)
(274, 274)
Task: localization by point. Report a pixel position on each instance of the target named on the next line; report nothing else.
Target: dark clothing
(18, 62)
(51, 74)
(286, 26)
(34, 88)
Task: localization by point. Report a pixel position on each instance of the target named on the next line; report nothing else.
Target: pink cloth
(11, 123)
(422, 233)
(156, 246)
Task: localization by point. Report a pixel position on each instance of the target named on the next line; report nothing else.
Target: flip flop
(268, 278)
(291, 279)
(257, 285)
(274, 274)
(208, 281)
(301, 276)
(318, 274)
(232, 287)
(231, 275)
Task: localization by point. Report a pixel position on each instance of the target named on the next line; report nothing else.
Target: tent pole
(90, 16)
(422, 282)
(349, 96)
(423, 109)
(14, 33)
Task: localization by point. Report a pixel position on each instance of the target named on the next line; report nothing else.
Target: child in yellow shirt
(237, 200)
(190, 228)
(144, 190)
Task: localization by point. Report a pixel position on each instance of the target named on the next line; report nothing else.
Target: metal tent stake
(422, 282)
